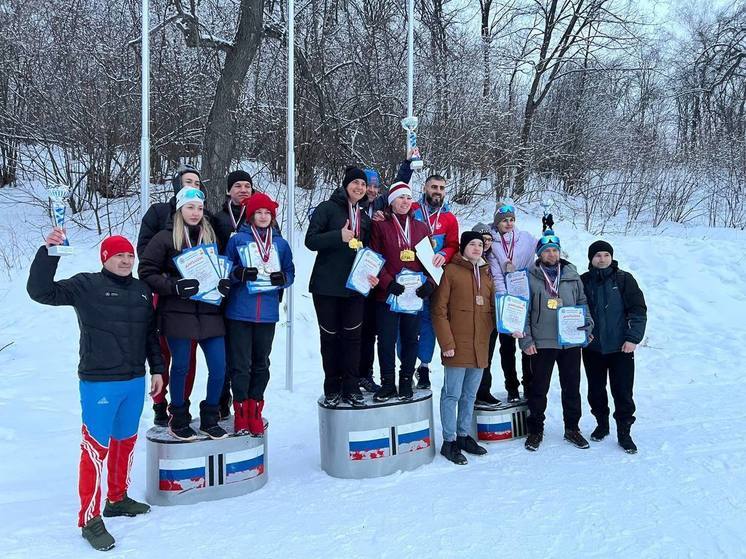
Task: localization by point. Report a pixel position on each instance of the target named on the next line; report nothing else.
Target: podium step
(503, 423)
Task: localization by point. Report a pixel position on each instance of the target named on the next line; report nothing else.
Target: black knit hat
(353, 173)
(599, 246)
(235, 176)
(467, 237)
(182, 170)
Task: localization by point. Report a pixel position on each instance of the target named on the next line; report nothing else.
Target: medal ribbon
(354, 219)
(477, 278)
(188, 240)
(233, 219)
(508, 251)
(426, 212)
(552, 286)
(263, 245)
(403, 232)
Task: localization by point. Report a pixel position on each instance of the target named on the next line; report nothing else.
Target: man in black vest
(619, 312)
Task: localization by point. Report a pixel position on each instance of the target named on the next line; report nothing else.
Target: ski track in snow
(682, 496)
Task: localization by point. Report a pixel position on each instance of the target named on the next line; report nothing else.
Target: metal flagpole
(410, 58)
(145, 112)
(291, 188)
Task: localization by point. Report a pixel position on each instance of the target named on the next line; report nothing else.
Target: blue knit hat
(547, 240)
(374, 179)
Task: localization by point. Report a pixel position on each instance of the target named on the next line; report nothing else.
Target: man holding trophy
(117, 335)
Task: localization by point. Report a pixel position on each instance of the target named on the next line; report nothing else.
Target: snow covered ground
(683, 495)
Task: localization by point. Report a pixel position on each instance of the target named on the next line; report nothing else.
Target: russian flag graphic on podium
(501, 427)
(244, 464)
(181, 474)
(369, 445)
(411, 437)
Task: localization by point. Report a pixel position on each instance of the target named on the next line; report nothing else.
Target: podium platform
(187, 472)
(378, 439)
(503, 423)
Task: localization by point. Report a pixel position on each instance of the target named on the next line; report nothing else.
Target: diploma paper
(407, 302)
(251, 258)
(512, 314)
(517, 284)
(425, 255)
(367, 263)
(195, 263)
(569, 319)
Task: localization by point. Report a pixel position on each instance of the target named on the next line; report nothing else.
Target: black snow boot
(601, 431)
(354, 398)
(405, 387)
(97, 535)
(225, 406)
(208, 421)
(160, 414)
(574, 437)
(369, 385)
(468, 444)
(387, 391)
(514, 396)
(332, 400)
(486, 400)
(451, 451)
(533, 441)
(178, 424)
(423, 377)
(625, 440)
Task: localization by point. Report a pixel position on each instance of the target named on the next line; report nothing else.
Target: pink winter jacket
(523, 256)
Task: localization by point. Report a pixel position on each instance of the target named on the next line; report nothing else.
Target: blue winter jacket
(262, 307)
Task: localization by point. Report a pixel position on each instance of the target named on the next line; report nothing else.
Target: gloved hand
(224, 287)
(186, 288)
(395, 289)
(277, 278)
(425, 290)
(547, 222)
(245, 274)
(588, 327)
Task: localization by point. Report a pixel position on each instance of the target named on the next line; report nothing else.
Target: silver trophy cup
(410, 125)
(57, 196)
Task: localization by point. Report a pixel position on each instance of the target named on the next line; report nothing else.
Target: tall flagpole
(410, 58)
(145, 112)
(291, 188)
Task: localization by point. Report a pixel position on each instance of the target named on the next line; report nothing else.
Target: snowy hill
(683, 495)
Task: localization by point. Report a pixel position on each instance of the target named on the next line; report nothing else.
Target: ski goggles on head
(192, 194)
(549, 240)
(506, 208)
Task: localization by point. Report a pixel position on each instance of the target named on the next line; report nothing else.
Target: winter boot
(97, 535)
(256, 421)
(451, 451)
(405, 387)
(601, 431)
(573, 436)
(208, 421)
(625, 440)
(533, 441)
(513, 396)
(225, 407)
(125, 507)
(387, 391)
(178, 424)
(423, 377)
(486, 400)
(332, 400)
(160, 414)
(241, 417)
(468, 444)
(369, 385)
(354, 398)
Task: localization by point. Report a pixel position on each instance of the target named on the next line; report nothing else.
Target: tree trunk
(219, 131)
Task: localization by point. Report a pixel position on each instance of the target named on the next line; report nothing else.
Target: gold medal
(554, 303)
(406, 255)
(509, 267)
(480, 300)
(355, 244)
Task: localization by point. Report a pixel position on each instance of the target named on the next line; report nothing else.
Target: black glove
(547, 222)
(395, 289)
(185, 288)
(425, 290)
(277, 278)
(224, 287)
(245, 274)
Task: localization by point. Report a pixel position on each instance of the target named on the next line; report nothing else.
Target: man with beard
(442, 228)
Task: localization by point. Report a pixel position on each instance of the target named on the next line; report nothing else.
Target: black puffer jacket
(159, 217)
(617, 306)
(115, 315)
(334, 259)
(177, 318)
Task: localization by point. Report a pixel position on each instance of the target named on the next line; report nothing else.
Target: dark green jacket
(618, 308)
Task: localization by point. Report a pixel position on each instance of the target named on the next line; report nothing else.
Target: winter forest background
(624, 110)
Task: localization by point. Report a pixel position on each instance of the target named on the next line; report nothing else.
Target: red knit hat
(257, 201)
(116, 244)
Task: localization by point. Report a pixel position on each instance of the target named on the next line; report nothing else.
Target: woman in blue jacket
(253, 308)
